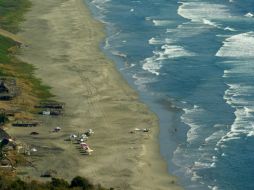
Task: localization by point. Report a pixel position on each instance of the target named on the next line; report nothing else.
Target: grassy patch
(10, 66)
(11, 13)
(5, 45)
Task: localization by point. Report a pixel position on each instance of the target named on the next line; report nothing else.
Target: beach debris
(80, 140)
(83, 145)
(50, 108)
(49, 173)
(86, 148)
(5, 162)
(34, 133)
(73, 137)
(57, 129)
(45, 112)
(3, 87)
(145, 130)
(89, 132)
(50, 112)
(23, 123)
(50, 105)
(83, 136)
(33, 150)
(8, 89)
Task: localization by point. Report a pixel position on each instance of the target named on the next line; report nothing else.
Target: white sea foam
(158, 41)
(171, 51)
(142, 81)
(226, 73)
(167, 51)
(110, 38)
(107, 44)
(230, 29)
(150, 64)
(215, 187)
(249, 15)
(100, 1)
(148, 18)
(210, 23)
(161, 22)
(100, 4)
(240, 45)
(197, 11)
(202, 165)
(215, 136)
(223, 35)
(119, 54)
(189, 29)
(187, 118)
(243, 124)
(154, 41)
(223, 154)
(236, 90)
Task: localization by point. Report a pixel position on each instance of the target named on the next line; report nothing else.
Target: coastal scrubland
(77, 183)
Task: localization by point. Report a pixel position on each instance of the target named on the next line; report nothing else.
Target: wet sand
(63, 44)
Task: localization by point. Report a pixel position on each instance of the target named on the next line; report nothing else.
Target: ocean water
(192, 62)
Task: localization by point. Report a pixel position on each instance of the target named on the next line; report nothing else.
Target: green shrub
(58, 183)
(19, 185)
(3, 118)
(81, 182)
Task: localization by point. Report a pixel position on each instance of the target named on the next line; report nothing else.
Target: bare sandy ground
(11, 35)
(63, 43)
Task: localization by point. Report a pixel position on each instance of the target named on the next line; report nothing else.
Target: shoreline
(63, 43)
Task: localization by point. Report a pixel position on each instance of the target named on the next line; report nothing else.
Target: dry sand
(63, 43)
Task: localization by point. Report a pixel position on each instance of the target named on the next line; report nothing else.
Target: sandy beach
(63, 44)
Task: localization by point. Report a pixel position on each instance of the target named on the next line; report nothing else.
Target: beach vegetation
(78, 183)
(12, 67)
(81, 182)
(11, 13)
(3, 118)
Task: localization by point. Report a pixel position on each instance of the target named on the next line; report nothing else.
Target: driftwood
(50, 112)
(25, 124)
(50, 105)
(34, 133)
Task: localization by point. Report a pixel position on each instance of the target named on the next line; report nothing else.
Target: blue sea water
(192, 62)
